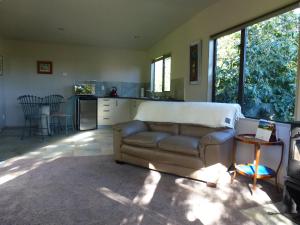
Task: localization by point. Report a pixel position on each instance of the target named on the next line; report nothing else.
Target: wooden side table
(255, 170)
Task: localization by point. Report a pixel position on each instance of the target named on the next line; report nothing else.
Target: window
(161, 74)
(257, 67)
(227, 68)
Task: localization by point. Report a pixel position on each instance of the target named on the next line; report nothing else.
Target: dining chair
(64, 120)
(33, 117)
(54, 102)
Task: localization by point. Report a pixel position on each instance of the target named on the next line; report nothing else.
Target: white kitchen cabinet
(113, 110)
(121, 112)
(134, 104)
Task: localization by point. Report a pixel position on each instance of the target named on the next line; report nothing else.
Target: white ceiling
(108, 23)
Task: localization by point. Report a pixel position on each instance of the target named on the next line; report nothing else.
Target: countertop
(135, 98)
(145, 99)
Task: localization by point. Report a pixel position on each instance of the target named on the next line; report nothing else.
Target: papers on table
(266, 130)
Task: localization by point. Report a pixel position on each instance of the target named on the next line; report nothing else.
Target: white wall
(2, 110)
(222, 15)
(78, 62)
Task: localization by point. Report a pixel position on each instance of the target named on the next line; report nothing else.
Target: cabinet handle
(116, 102)
(106, 105)
(106, 118)
(106, 110)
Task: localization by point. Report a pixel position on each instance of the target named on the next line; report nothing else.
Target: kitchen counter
(145, 99)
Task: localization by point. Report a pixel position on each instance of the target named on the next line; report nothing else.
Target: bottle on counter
(142, 92)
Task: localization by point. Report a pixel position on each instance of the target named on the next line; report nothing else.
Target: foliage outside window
(258, 70)
(161, 74)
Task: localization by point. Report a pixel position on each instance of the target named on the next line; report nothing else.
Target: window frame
(163, 58)
(243, 29)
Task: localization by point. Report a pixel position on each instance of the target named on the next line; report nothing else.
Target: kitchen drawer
(106, 115)
(106, 110)
(106, 104)
(113, 110)
(107, 121)
(106, 100)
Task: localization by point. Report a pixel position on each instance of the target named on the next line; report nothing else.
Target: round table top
(250, 139)
(40, 103)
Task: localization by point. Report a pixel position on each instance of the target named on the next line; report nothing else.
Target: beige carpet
(55, 183)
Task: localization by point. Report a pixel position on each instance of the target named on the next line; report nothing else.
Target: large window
(227, 68)
(257, 67)
(161, 74)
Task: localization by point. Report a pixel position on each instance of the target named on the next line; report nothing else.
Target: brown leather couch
(187, 150)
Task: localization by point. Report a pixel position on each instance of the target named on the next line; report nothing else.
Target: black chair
(31, 106)
(64, 121)
(54, 101)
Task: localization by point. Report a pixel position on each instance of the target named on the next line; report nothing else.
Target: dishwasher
(86, 113)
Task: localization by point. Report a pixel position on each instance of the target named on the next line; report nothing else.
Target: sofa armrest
(217, 137)
(122, 130)
(129, 128)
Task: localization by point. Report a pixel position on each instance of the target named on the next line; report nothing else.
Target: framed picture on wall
(44, 67)
(195, 62)
(1, 65)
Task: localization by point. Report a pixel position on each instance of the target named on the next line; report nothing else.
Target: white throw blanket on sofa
(203, 113)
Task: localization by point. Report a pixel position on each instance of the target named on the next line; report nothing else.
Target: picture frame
(195, 62)
(44, 67)
(1, 65)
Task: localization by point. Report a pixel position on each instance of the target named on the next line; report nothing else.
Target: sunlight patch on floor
(14, 168)
(79, 137)
(88, 139)
(12, 161)
(126, 202)
(80, 144)
(145, 195)
(260, 215)
(114, 196)
(140, 202)
(203, 209)
(50, 146)
(12, 175)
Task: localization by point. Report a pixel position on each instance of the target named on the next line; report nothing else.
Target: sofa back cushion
(196, 130)
(172, 128)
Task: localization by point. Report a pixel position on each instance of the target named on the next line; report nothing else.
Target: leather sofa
(187, 150)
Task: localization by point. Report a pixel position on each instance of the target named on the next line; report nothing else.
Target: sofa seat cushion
(180, 144)
(146, 139)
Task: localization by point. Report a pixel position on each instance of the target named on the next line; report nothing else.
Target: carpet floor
(60, 189)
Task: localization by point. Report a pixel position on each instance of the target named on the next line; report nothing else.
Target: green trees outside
(227, 68)
(270, 71)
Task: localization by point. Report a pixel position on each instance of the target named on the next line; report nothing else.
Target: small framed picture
(1, 65)
(195, 62)
(44, 67)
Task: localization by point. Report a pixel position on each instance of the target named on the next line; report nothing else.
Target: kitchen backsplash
(131, 89)
(125, 89)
